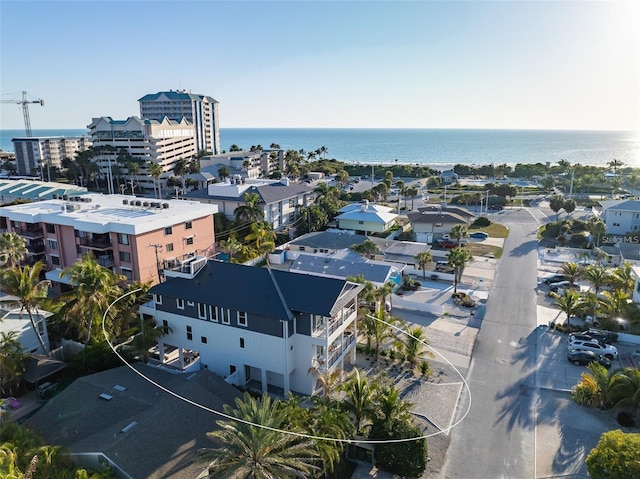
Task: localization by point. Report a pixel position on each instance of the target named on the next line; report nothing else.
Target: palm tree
(264, 238)
(94, 288)
(413, 191)
(379, 327)
(251, 211)
(329, 380)
(459, 232)
(615, 304)
(615, 165)
(134, 170)
(413, 343)
(624, 278)
(598, 276)
(391, 408)
(13, 248)
(180, 168)
(247, 451)
(556, 203)
(600, 382)
(625, 390)
(424, 258)
(569, 302)
(12, 362)
(458, 259)
(367, 248)
(359, 400)
(26, 285)
(385, 291)
(155, 170)
(573, 271)
(230, 246)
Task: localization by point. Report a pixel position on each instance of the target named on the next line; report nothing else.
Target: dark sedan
(586, 357)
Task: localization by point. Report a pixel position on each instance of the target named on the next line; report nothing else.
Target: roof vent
(120, 388)
(129, 426)
(106, 397)
(65, 197)
(145, 204)
(165, 205)
(55, 196)
(125, 202)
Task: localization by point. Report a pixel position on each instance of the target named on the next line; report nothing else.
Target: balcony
(31, 232)
(106, 261)
(97, 242)
(337, 352)
(35, 248)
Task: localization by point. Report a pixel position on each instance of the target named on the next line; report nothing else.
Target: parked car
(608, 351)
(479, 235)
(602, 335)
(555, 278)
(579, 357)
(582, 337)
(556, 287)
(444, 267)
(496, 207)
(447, 244)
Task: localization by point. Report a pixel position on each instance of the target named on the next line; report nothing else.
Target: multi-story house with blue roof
(256, 327)
(199, 109)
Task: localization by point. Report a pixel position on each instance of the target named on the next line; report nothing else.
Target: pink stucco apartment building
(134, 237)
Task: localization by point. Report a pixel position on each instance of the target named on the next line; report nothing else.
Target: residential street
(497, 438)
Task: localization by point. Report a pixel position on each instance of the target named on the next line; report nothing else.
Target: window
(50, 228)
(302, 248)
(242, 343)
(242, 318)
(213, 313)
(55, 260)
(189, 240)
(189, 333)
(616, 224)
(232, 369)
(169, 247)
(360, 222)
(188, 225)
(168, 230)
(180, 303)
(165, 326)
(125, 257)
(292, 216)
(52, 244)
(292, 203)
(78, 233)
(158, 298)
(226, 316)
(128, 272)
(202, 311)
(123, 238)
(203, 339)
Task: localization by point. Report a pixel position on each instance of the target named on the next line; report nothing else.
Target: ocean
(440, 148)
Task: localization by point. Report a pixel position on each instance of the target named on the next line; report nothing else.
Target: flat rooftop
(98, 213)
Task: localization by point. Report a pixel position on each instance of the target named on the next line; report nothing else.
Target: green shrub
(481, 222)
(583, 395)
(425, 369)
(617, 456)
(408, 459)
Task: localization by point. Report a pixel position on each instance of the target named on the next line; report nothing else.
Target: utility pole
(157, 247)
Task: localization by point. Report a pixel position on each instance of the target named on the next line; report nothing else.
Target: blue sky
(314, 64)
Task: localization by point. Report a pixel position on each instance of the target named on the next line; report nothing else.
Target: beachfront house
(13, 318)
(256, 327)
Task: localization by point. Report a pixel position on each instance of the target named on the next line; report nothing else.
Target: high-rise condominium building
(163, 142)
(34, 155)
(200, 109)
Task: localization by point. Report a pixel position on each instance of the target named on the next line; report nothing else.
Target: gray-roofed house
(621, 216)
(329, 241)
(12, 190)
(256, 327)
(118, 418)
(366, 218)
(431, 222)
(281, 200)
(350, 264)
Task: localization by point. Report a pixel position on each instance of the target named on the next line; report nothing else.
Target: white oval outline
(284, 431)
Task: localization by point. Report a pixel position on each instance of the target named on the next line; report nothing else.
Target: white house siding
(18, 321)
(636, 286)
(223, 349)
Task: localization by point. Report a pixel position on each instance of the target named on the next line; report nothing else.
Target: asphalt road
(497, 438)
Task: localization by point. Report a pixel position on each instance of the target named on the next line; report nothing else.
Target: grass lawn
(494, 230)
(479, 249)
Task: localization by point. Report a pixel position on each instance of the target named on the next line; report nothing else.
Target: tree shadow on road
(517, 408)
(526, 351)
(524, 248)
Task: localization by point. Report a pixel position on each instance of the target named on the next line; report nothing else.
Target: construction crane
(25, 110)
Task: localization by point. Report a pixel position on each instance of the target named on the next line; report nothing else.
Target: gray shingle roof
(251, 289)
(343, 268)
(168, 433)
(328, 240)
